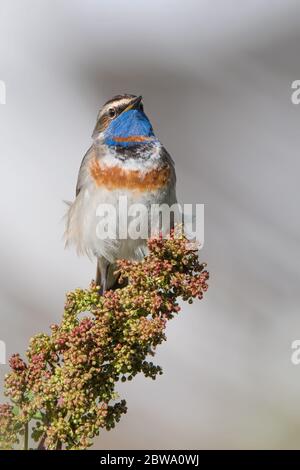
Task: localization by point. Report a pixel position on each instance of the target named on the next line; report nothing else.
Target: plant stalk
(26, 436)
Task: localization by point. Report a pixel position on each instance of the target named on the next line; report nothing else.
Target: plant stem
(41, 445)
(26, 436)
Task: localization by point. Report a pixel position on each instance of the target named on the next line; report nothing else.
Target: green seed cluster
(66, 388)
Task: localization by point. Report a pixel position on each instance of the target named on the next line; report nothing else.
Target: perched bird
(125, 159)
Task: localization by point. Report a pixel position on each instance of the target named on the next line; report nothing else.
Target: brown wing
(82, 170)
(167, 158)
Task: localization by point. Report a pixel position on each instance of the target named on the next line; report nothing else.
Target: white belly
(83, 221)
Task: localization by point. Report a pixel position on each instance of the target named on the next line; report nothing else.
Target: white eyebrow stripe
(120, 102)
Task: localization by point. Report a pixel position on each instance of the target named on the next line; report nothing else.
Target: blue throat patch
(130, 128)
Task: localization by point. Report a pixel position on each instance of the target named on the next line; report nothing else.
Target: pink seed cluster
(66, 388)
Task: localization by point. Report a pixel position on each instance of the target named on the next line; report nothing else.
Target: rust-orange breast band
(116, 178)
(134, 138)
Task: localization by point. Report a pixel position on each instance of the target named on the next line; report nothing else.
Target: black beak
(134, 104)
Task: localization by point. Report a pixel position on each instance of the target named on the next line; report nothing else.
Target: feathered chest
(135, 174)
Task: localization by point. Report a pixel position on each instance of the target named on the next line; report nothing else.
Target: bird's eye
(111, 112)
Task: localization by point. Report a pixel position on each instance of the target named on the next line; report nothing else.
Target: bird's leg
(104, 277)
(103, 268)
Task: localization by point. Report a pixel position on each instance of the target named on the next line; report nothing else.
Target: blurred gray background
(216, 79)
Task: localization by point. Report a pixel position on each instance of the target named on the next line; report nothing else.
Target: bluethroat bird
(125, 159)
